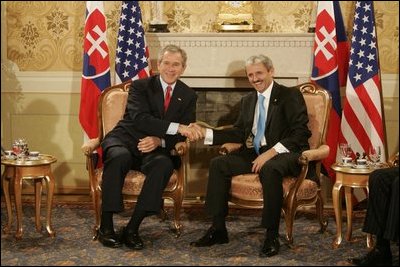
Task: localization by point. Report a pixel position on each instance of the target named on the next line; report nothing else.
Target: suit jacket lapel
(252, 109)
(273, 103)
(159, 96)
(175, 103)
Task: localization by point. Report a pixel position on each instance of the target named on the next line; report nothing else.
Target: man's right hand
(193, 132)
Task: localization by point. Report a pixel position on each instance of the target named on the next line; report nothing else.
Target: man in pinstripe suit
(382, 218)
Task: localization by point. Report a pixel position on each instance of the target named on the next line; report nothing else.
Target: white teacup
(346, 160)
(361, 162)
(9, 154)
(34, 154)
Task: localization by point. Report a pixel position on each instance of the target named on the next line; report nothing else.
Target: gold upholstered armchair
(111, 108)
(246, 189)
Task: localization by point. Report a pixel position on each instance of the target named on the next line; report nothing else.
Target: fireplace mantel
(217, 59)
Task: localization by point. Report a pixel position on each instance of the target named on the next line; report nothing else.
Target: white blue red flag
(96, 66)
(132, 54)
(331, 53)
(362, 122)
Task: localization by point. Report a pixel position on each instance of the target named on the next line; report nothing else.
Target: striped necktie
(167, 98)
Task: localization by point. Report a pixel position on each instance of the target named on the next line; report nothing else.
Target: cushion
(248, 187)
(134, 181)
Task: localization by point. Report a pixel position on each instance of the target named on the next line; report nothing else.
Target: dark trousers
(156, 166)
(382, 218)
(222, 168)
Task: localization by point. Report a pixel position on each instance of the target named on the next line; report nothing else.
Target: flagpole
(381, 94)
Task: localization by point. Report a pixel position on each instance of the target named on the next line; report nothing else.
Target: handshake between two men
(192, 131)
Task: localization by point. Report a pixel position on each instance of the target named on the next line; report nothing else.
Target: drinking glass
(346, 151)
(20, 148)
(374, 155)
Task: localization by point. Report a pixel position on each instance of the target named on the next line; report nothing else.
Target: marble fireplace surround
(216, 60)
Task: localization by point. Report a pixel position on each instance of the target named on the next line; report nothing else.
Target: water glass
(346, 151)
(374, 155)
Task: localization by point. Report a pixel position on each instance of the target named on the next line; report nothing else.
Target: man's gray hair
(260, 59)
(173, 49)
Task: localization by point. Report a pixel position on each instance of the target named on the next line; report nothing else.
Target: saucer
(355, 166)
(33, 158)
(341, 164)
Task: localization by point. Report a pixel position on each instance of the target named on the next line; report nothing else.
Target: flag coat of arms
(96, 66)
(329, 71)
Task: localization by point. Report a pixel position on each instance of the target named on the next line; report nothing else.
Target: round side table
(36, 169)
(349, 177)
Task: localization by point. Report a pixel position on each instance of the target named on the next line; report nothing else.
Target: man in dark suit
(282, 136)
(382, 218)
(142, 140)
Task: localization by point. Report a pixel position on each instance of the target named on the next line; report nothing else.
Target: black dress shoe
(375, 257)
(132, 239)
(109, 238)
(212, 237)
(270, 247)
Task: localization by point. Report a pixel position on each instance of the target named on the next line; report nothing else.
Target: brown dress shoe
(212, 237)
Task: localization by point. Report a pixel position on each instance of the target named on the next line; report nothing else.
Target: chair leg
(289, 218)
(177, 217)
(319, 205)
(163, 213)
(97, 210)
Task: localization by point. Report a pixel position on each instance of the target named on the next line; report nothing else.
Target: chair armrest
(394, 160)
(180, 149)
(316, 154)
(229, 148)
(90, 146)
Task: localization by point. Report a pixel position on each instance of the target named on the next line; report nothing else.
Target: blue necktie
(260, 124)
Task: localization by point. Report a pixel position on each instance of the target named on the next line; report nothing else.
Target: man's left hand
(262, 158)
(148, 144)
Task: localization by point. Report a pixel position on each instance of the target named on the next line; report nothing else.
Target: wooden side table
(349, 178)
(37, 169)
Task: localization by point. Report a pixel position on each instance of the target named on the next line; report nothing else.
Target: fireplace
(215, 70)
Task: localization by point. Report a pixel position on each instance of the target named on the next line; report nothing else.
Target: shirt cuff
(279, 148)
(162, 142)
(208, 139)
(172, 128)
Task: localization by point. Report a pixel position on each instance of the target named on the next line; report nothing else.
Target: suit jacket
(286, 122)
(144, 114)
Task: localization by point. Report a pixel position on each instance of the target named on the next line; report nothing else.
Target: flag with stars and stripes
(331, 55)
(362, 120)
(96, 66)
(132, 54)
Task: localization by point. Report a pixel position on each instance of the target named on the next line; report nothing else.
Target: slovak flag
(331, 54)
(96, 66)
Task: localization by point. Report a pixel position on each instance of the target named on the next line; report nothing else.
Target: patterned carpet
(73, 243)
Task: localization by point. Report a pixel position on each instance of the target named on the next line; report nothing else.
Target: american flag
(96, 66)
(362, 122)
(330, 65)
(132, 54)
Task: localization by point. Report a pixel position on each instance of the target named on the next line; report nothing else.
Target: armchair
(246, 189)
(111, 108)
